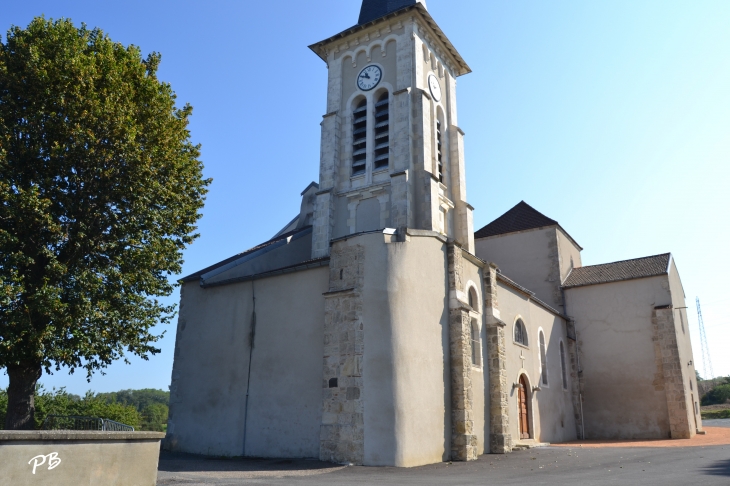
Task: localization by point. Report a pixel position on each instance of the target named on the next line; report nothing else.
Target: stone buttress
(342, 430)
(500, 439)
(463, 438)
(669, 367)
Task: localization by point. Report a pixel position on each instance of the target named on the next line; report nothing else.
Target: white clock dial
(434, 87)
(369, 77)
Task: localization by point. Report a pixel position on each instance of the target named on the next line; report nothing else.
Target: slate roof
(276, 239)
(374, 9)
(520, 218)
(619, 271)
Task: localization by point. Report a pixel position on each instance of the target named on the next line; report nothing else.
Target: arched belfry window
(359, 137)
(382, 132)
(543, 358)
(439, 151)
(520, 333)
(476, 344)
(562, 366)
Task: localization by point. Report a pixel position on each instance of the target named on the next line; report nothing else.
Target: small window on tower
(382, 132)
(359, 137)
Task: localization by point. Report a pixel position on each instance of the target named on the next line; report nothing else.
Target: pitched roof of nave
(651, 266)
(276, 239)
(522, 217)
(374, 9)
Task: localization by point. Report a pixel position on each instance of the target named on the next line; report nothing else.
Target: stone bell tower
(391, 158)
(391, 151)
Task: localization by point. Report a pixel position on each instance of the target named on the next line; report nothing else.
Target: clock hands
(365, 75)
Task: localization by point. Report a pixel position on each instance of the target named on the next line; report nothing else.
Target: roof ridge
(273, 240)
(628, 260)
(622, 270)
(520, 217)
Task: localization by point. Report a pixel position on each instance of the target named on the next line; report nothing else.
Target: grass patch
(716, 414)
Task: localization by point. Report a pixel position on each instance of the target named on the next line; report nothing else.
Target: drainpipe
(250, 357)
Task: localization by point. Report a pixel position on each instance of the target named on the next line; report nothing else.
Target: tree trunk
(21, 403)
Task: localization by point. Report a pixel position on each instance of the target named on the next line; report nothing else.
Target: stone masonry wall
(500, 440)
(463, 439)
(666, 352)
(342, 431)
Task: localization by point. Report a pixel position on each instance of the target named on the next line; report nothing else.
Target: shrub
(154, 417)
(61, 402)
(718, 395)
(719, 414)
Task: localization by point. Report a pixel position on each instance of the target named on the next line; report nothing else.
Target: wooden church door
(523, 408)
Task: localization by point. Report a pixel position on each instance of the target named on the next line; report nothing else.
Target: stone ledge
(67, 435)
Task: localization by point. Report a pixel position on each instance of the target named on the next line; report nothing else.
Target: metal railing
(78, 422)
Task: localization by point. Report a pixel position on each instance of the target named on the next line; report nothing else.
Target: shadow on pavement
(177, 462)
(719, 468)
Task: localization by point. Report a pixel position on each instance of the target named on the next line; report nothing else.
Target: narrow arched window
(382, 132)
(476, 344)
(473, 299)
(359, 137)
(439, 151)
(543, 358)
(562, 366)
(520, 333)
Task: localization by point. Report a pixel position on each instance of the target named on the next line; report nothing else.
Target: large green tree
(100, 191)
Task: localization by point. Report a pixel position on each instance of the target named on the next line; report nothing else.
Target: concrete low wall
(61, 458)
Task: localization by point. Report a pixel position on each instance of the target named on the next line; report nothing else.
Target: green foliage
(60, 402)
(3, 405)
(716, 414)
(154, 417)
(718, 395)
(151, 404)
(100, 191)
(140, 399)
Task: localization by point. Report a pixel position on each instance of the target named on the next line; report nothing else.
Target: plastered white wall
(622, 392)
(208, 391)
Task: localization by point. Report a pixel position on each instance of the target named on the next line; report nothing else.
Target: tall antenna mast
(706, 361)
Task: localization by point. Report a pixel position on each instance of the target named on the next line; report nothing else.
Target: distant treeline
(142, 409)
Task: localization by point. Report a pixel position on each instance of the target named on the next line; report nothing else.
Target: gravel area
(713, 436)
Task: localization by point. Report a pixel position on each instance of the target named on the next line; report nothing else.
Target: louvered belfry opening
(359, 137)
(382, 132)
(439, 151)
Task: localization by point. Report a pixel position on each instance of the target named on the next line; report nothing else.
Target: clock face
(369, 77)
(435, 87)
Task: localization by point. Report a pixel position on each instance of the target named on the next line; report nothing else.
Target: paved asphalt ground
(646, 466)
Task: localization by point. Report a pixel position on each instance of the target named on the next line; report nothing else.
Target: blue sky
(611, 117)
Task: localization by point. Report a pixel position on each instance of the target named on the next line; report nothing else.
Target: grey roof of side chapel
(196, 276)
(374, 9)
(651, 266)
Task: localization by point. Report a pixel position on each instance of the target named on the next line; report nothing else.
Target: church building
(379, 328)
